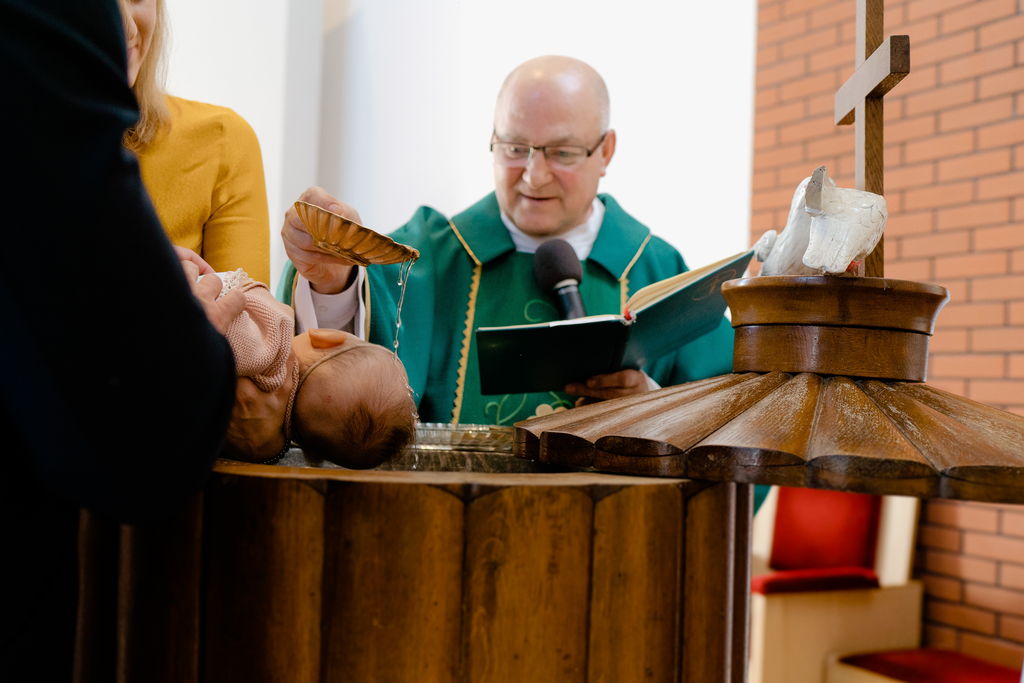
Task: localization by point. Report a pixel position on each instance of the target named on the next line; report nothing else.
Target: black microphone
(556, 268)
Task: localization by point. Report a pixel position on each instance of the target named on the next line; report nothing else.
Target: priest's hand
(613, 385)
(327, 274)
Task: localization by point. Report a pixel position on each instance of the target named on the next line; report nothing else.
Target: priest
(551, 145)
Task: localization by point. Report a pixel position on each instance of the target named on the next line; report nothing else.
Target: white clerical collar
(581, 238)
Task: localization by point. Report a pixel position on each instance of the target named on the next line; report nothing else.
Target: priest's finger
(613, 385)
(620, 379)
(612, 392)
(320, 197)
(299, 245)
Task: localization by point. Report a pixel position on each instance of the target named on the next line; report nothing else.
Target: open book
(658, 319)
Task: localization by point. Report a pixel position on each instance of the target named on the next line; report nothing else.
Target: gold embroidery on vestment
(624, 278)
(467, 336)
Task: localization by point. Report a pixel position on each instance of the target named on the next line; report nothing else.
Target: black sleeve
(116, 391)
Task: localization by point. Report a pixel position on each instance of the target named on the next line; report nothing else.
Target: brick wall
(955, 187)
(971, 559)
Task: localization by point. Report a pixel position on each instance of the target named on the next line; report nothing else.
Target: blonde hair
(149, 88)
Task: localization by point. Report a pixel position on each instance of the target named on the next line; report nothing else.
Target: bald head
(554, 79)
(551, 103)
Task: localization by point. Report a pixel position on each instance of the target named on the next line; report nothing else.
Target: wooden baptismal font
(457, 562)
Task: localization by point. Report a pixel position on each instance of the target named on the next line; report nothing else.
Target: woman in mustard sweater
(200, 163)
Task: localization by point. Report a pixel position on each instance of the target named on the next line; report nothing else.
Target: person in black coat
(115, 393)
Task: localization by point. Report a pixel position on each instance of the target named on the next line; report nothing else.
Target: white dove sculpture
(829, 230)
(783, 253)
(846, 224)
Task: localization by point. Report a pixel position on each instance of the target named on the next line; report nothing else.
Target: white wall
(406, 90)
(262, 58)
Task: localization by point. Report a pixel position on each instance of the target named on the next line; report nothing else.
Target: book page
(651, 294)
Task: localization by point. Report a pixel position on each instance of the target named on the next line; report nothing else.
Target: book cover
(658, 319)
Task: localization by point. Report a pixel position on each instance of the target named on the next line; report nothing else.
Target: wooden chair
(831, 574)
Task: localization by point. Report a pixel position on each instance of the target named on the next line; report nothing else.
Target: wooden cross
(880, 66)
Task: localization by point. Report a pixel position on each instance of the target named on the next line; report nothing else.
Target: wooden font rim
(835, 301)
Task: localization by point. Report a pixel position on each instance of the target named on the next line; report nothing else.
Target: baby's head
(353, 405)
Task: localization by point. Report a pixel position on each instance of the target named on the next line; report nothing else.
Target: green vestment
(469, 275)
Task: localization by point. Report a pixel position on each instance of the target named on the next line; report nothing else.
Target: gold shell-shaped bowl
(334, 234)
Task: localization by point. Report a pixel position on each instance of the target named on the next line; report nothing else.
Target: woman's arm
(237, 234)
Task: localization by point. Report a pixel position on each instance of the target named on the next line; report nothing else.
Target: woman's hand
(221, 312)
(186, 255)
(327, 274)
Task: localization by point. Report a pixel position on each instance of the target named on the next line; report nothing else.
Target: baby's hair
(357, 410)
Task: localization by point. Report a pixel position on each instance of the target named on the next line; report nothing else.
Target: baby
(338, 397)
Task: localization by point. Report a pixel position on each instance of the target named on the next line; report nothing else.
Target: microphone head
(555, 261)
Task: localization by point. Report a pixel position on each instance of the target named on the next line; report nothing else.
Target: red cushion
(815, 529)
(807, 580)
(933, 666)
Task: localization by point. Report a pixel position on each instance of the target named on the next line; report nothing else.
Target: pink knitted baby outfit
(261, 335)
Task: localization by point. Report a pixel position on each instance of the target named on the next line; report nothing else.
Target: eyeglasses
(519, 153)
